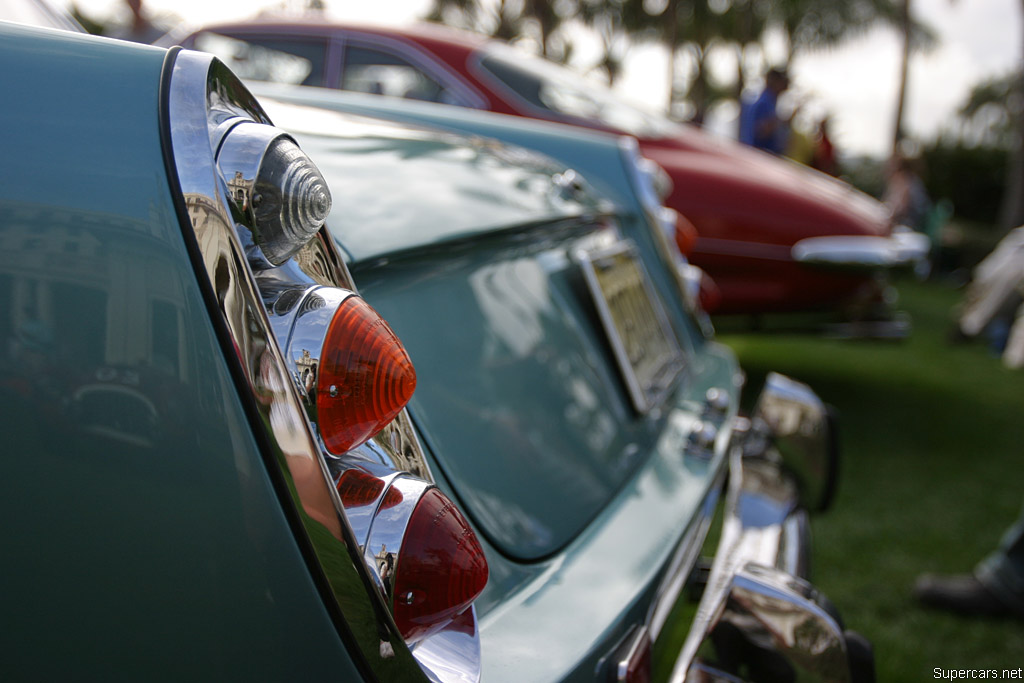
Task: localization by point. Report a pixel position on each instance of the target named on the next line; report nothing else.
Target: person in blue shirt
(760, 123)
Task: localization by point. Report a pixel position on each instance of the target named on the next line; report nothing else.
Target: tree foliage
(989, 114)
(539, 20)
(970, 162)
(690, 30)
(971, 176)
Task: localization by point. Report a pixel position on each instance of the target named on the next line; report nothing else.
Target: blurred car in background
(774, 236)
(210, 451)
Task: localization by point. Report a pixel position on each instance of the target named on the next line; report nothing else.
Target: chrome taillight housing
(427, 558)
(275, 186)
(325, 380)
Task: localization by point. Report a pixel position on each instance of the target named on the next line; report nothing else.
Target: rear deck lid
(479, 254)
(399, 187)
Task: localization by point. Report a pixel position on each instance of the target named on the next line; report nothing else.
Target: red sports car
(775, 236)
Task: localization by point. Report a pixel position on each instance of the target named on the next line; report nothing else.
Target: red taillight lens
(441, 567)
(686, 235)
(365, 377)
(710, 294)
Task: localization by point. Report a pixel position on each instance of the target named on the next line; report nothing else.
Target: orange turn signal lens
(365, 377)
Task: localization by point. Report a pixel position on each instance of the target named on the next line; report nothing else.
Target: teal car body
(169, 509)
(175, 507)
(130, 544)
(593, 507)
(520, 403)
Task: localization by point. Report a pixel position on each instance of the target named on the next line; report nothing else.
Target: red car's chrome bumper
(904, 248)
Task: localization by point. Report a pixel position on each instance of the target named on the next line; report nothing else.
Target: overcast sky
(856, 84)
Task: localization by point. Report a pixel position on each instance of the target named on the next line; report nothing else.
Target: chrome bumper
(758, 618)
(904, 248)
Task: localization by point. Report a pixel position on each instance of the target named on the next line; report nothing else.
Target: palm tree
(901, 97)
(813, 24)
(915, 35)
(613, 21)
(690, 26)
(700, 26)
(1011, 212)
(510, 20)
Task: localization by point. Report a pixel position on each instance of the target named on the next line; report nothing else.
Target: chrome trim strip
(903, 248)
(720, 412)
(634, 644)
(761, 503)
(203, 95)
(684, 559)
(714, 246)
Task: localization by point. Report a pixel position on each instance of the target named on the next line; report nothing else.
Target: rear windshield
(560, 90)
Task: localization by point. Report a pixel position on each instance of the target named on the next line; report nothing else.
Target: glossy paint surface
(402, 188)
(597, 156)
(557, 619)
(518, 396)
(144, 539)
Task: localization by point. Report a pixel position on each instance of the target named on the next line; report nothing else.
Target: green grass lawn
(932, 474)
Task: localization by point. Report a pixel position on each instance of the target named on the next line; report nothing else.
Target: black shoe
(962, 594)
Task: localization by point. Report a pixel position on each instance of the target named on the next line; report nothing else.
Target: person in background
(993, 305)
(905, 194)
(994, 589)
(760, 123)
(824, 157)
(800, 147)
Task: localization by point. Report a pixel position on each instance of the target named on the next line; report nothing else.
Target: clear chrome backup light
(276, 186)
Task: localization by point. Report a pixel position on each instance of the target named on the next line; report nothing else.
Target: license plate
(645, 347)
